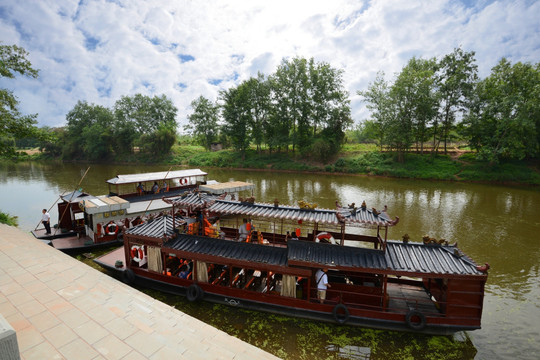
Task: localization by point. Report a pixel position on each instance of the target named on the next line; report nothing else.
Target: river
(491, 223)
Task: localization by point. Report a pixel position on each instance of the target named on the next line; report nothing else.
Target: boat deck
(55, 233)
(110, 258)
(403, 297)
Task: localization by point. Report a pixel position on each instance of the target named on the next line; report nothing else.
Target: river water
(491, 223)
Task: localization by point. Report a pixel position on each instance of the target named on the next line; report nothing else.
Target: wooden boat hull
(272, 304)
(76, 245)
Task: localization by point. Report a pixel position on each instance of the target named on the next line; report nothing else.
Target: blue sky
(99, 50)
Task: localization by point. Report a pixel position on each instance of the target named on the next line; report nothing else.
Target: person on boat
(184, 271)
(322, 284)
(244, 230)
(155, 188)
(140, 189)
(164, 188)
(46, 221)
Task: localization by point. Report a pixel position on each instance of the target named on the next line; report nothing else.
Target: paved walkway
(63, 309)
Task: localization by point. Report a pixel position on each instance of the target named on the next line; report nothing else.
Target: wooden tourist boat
(428, 287)
(86, 221)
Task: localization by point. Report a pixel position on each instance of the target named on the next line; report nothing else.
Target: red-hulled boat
(429, 287)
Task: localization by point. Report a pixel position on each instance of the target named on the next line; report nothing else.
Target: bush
(8, 219)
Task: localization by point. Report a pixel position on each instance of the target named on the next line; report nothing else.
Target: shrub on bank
(510, 172)
(8, 219)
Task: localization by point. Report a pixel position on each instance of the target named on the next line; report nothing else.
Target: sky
(100, 50)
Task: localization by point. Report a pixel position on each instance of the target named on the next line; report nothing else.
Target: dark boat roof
(216, 205)
(249, 252)
(410, 258)
(74, 196)
(155, 228)
(399, 258)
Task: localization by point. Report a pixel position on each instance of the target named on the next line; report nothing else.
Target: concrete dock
(61, 308)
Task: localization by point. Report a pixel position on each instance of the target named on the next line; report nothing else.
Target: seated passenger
(155, 188)
(184, 272)
(164, 188)
(140, 189)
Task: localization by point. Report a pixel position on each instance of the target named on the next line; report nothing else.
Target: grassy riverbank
(369, 161)
(354, 159)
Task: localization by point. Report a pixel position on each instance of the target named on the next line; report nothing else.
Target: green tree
(259, 98)
(309, 102)
(456, 76)
(378, 102)
(140, 115)
(203, 122)
(159, 142)
(14, 125)
(51, 141)
(237, 116)
(505, 117)
(289, 98)
(89, 132)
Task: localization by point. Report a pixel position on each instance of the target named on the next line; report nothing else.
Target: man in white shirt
(46, 221)
(322, 284)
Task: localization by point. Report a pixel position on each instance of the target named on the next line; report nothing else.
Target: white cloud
(99, 51)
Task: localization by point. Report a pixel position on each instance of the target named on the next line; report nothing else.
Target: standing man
(244, 230)
(46, 221)
(322, 284)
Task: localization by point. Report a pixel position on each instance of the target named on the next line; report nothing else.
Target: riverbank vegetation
(8, 219)
(434, 120)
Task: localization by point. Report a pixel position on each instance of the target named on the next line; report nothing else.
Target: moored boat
(429, 287)
(86, 222)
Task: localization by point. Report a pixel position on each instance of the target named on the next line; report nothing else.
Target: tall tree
(259, 98)
(203, 122)
(140, 115)
(236, 117)
(420, 105)
(378, 102)
(89, 132)
(13, 124)
(505, 120)
(309, 99)
(456, 76)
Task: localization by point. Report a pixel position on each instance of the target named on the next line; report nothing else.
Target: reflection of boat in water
(399, 285)
(87, 221)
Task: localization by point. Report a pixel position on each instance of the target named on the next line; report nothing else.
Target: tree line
(302, 106)
(434, 101)
(95, 132)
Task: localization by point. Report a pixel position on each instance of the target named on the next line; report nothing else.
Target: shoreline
(269, 169)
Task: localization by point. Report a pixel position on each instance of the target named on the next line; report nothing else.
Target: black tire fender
(128, 277)
(415, 320)
(194, 292)
(341, 313)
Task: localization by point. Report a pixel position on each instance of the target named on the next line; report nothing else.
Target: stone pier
(61, 308)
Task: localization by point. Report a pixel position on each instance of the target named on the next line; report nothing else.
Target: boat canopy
(227, 187)
(406, 259)
(217, 205)
(101, 204)
(400, 258)
(155, 176)
(156, 228)
(74, 196)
